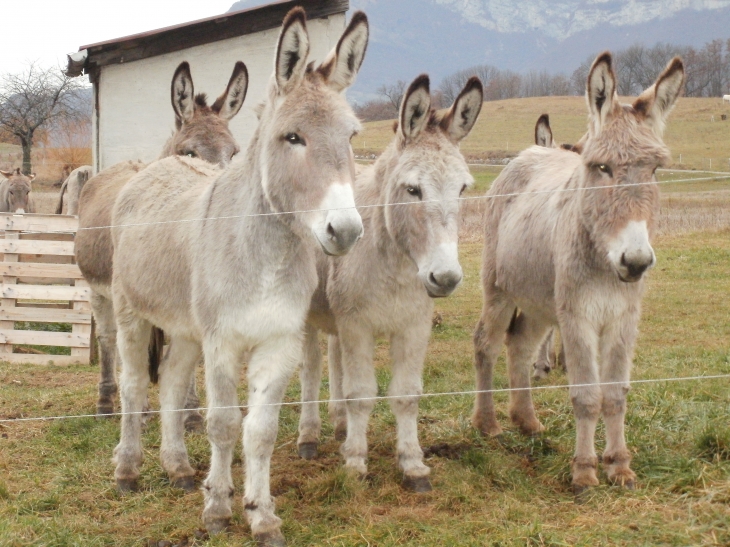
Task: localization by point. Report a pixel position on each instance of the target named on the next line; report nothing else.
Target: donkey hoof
(308, 451)
(340, 434)
(127, 485)
(581, 493)
(103, 410)
(185, 483)
(217, 525)
(270, 539)
(194, 423)
(417, 484)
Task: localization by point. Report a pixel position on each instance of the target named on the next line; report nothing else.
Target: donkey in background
(71, 188)
(386, 285)
(576, 258)
(201, 132)
(15, 192)
(226, 263)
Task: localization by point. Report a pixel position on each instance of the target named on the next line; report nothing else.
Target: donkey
(386, 285)
(72, 187)
(202, 132)
(226, 263)
(15, 192)
(576, 257)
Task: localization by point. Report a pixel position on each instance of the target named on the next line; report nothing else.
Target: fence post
(9, 280)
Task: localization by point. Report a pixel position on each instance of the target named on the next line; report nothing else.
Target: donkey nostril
(623, 260)
(432, 279)
(331, 231)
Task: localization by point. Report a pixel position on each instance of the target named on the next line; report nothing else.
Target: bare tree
(34, 99)
(393, 94)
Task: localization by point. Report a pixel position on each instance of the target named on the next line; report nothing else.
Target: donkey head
(304, 134)
(18, 190)
(621, 153)
(202, 130)
(425, 175)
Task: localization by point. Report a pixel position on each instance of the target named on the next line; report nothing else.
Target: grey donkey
(15, 192)
(225, 262)
(201, 132)
(386, 285)
(571, 249)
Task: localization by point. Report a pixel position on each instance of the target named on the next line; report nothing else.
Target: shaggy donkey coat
(237, 281)
(386, 285)
(201, 132)
(576, 258)
(15, 192)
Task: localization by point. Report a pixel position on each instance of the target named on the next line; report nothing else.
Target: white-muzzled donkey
(571, 249)
(226, 263)
(16, 192)
(201, 132)
(385, 286)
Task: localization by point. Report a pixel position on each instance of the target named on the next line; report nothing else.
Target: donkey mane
(201, 100)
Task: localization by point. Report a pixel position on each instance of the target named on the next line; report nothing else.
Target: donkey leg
(269, 372)
(545, 357)
(581, 342)
(175, 373)
(222, 371)
(408, 351)
(360, 388)
(310, 373)
(133, 337)
(337, 407)
(488, 339)
(524, 337)
(618, 342)
(193, 418)
(106, 327)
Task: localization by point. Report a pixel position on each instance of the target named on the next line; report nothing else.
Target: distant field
(506, 127)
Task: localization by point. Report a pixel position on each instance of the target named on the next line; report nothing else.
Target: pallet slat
(46, 292)
(45, 315)
(43, 338)
(34, 269)
(39, 247)
(30, 359)
(39, 223)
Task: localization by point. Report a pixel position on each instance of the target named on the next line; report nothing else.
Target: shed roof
(92, 57)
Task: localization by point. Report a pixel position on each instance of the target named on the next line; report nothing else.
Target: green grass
(45, 327)
(57, 487)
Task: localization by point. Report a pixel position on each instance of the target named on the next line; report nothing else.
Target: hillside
(506, 127)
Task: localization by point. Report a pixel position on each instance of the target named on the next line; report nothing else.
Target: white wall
(135, 114)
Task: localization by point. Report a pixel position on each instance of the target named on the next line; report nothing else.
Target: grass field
(506, 127)
(56, 478)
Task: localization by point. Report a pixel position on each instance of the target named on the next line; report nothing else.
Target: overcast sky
(46, 30)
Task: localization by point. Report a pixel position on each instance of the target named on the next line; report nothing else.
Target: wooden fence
(42, 284)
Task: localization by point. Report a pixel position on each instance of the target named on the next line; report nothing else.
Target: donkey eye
(191, 154)
(603, 168)
(293, 138)
(414, 191)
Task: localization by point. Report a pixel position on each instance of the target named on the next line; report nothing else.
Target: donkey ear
(182, 94)
(464, 113)
(655, 103)
(344, 61)
(31, 177)
(543, 133)
(415, 108)
(601, 90)
(6, 174)
(292, 51)
(231, 101)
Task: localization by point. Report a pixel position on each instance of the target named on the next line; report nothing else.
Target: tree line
(707, 73)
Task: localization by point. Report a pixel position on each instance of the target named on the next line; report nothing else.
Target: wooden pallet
(41, 283)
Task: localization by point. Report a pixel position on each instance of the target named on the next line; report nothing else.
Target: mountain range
(443, 36)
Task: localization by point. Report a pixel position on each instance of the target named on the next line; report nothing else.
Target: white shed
(131, 76)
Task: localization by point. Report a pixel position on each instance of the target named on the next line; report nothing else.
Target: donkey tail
(59, 207)
(154, 352)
